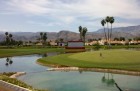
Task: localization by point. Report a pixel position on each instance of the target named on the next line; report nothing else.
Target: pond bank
(17, 74)
(11, 87)
(66, 68)
(96, 70)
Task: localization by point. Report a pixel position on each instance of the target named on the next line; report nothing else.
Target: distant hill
(128, 32)
(132, 31)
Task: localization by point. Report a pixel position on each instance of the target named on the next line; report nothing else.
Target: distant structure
(113, 42)
(75, 46)
(62, 44)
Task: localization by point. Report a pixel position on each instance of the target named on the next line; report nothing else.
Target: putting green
(112, 59)
(109, 56)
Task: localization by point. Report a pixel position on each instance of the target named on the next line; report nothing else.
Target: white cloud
(95, 8)
(29, 6)
(68, 11)
(50, 24)
(66, 19)
(123, 24)
(6, 30)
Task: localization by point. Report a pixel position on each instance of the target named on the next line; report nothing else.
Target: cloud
(75, 12)
(28, 6)
(6, 30)
(94, 8)
(50, 24)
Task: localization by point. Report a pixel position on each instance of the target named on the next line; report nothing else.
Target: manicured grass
(115, 46)
(111, 59)
(26, 51)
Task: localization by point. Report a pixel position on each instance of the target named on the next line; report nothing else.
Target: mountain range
(127, 32)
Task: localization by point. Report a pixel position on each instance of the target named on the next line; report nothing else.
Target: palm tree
(107, 21)
(103, 22)
(111, 22)
(80, 30)
(44, 38)
(7, 38)
(84, 33)
(10, 37)
(6, 33)
(41, 35)
(61, 40)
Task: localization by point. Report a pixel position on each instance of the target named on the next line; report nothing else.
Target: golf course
(27, 51)
(120, 59)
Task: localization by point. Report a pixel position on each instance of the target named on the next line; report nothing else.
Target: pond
(38, 77)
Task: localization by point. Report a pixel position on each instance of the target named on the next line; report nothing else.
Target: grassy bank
(111, 59)
(26, 51)
(5, 77)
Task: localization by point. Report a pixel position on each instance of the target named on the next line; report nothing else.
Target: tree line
(108, 33)
(9, 41)
(83, 31)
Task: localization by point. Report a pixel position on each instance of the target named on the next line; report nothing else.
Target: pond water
(38, 77)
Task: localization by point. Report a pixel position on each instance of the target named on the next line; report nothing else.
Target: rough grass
(111, 59)
(26, 51)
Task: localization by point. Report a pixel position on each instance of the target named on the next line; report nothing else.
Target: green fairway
(25, 51)
(112, 59)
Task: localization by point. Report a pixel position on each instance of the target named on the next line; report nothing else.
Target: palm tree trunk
(80, 36)
(105, 34)
(84, 39)
(108, 39)
(111, 32)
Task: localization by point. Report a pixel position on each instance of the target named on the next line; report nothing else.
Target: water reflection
(108, 79)
(80, 71)
(9, 61)
(44, 55)
(49, 54)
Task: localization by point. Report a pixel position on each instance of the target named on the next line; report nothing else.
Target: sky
(57, 15)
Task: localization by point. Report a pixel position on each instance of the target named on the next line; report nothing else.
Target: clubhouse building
(75, 46)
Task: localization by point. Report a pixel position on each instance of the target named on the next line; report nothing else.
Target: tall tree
(10, 37)
(7, 38)
(44, 38)
(61, 40)
(6, 33)
(41, 35)
(111, 22)
(103, 22)
(107, 19)
(84, 31)
(80, 30)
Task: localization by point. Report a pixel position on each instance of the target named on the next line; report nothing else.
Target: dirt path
(5, 89)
